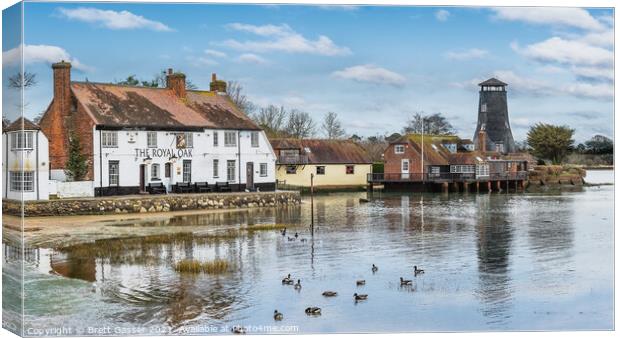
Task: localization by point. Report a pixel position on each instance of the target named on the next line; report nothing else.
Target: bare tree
(272, 119)
(332, 126)
(22, 80)
(300, 124)
(435, 124)
(234, 90)
(375, 147)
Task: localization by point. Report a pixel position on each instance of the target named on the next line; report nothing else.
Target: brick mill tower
(493, 130)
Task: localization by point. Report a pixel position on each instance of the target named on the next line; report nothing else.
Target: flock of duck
(316, 311)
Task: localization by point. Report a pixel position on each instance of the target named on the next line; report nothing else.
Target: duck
(298, 285)
(238, 329)
(416, 270)
(287, 280)
(290, 239)
(405, 281)
(374, 268)
(296, 235)
(361, 282)
(359, 297)
(277, 315)
(283, 232)
(330, 293)
(313, 310)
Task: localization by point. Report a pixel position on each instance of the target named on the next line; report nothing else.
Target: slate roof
(22, 123)
(114, 105)
(325, 151)
(492, 82)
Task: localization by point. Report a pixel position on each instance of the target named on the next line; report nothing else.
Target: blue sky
(374, 66)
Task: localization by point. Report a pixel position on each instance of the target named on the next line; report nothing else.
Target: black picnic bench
(222, 186)
(202, 187)
(156, 188)
(182, 188)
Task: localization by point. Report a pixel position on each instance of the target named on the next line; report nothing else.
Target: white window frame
(482, 170)
(254, 139)
(109, 139)
(187, 174)
(151, 139)
(216, 168)
(189, 140)
(114, 176)
(399, 149)
(231, 170)
(216, 139)
(230, 139)
(263, 170)
(22, 181)
(22, 140)
(402, 166)
(155, 171)
(317, 169)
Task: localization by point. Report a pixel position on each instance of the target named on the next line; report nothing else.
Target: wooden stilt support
(489, 186)
(477, 187)
(445, 187)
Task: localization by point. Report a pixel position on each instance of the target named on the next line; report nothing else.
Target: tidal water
(492, 262)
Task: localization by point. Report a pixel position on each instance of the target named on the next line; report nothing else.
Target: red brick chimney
(54, 127)
(176, 82)
(482, 139)
(217, 85)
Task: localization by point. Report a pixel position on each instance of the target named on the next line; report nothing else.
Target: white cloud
(563, 51)
(473, 53)
(205, 61)
(251, 58)
(372, 74)
(555, 16)
(112, 19)
(442, 15)
(594, 73)
(283, 38)
(40, 54)
(603, 39)
(215, 53)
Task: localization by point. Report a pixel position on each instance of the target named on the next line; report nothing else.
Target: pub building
(138, 138)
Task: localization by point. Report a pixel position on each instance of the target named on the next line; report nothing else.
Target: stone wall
(150, 203)
(555, 177)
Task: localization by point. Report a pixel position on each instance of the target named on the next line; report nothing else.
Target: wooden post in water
(312, 201)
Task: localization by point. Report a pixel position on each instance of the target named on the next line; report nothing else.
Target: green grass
(216, 266)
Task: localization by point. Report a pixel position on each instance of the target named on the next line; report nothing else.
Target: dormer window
(21, 140)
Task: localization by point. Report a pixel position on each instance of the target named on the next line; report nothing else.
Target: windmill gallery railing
(444, 177)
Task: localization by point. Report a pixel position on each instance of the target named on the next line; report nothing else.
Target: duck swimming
(416, 270)
(283, 232)
(330, 293)
(298, 285)
(238, 329)
(374, 268)
(361, 282)
(405, 281)
(277, 315)
(359, 297)
(313, 310)
(287, 280)
(296, 235)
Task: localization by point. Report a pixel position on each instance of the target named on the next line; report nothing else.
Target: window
(113, 172)
(216, 139)
(22, 180)
(230, 170)
(399, 149)
(216, 168)
(230, 139)
(350, 169)
(187, 170)
(483, 108)
(167, 169)
(254, 137)
(463, 169)
(482, 170)
(21, 140)
(291, 169)
(109, 139)
(185, 140)
(151, 139)
(263, 170)
(154, 171)
(320, 170)
(405, 165)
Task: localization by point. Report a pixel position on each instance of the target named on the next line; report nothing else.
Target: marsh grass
(262, 227)
(212, 267)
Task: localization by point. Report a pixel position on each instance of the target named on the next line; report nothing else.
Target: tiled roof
(126, 106)
(22, 124)
(325, 151)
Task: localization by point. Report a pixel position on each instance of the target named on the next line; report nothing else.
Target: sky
(373, 65)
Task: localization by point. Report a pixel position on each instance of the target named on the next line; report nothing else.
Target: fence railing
(441, 177)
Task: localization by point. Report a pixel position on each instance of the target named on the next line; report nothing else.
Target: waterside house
(336, 164)
(432, 162)
(141, 139)
(25, 166)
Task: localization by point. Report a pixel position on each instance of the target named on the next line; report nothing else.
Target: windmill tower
(493, 124)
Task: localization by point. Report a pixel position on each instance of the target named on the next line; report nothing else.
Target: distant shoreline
(598, 167)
